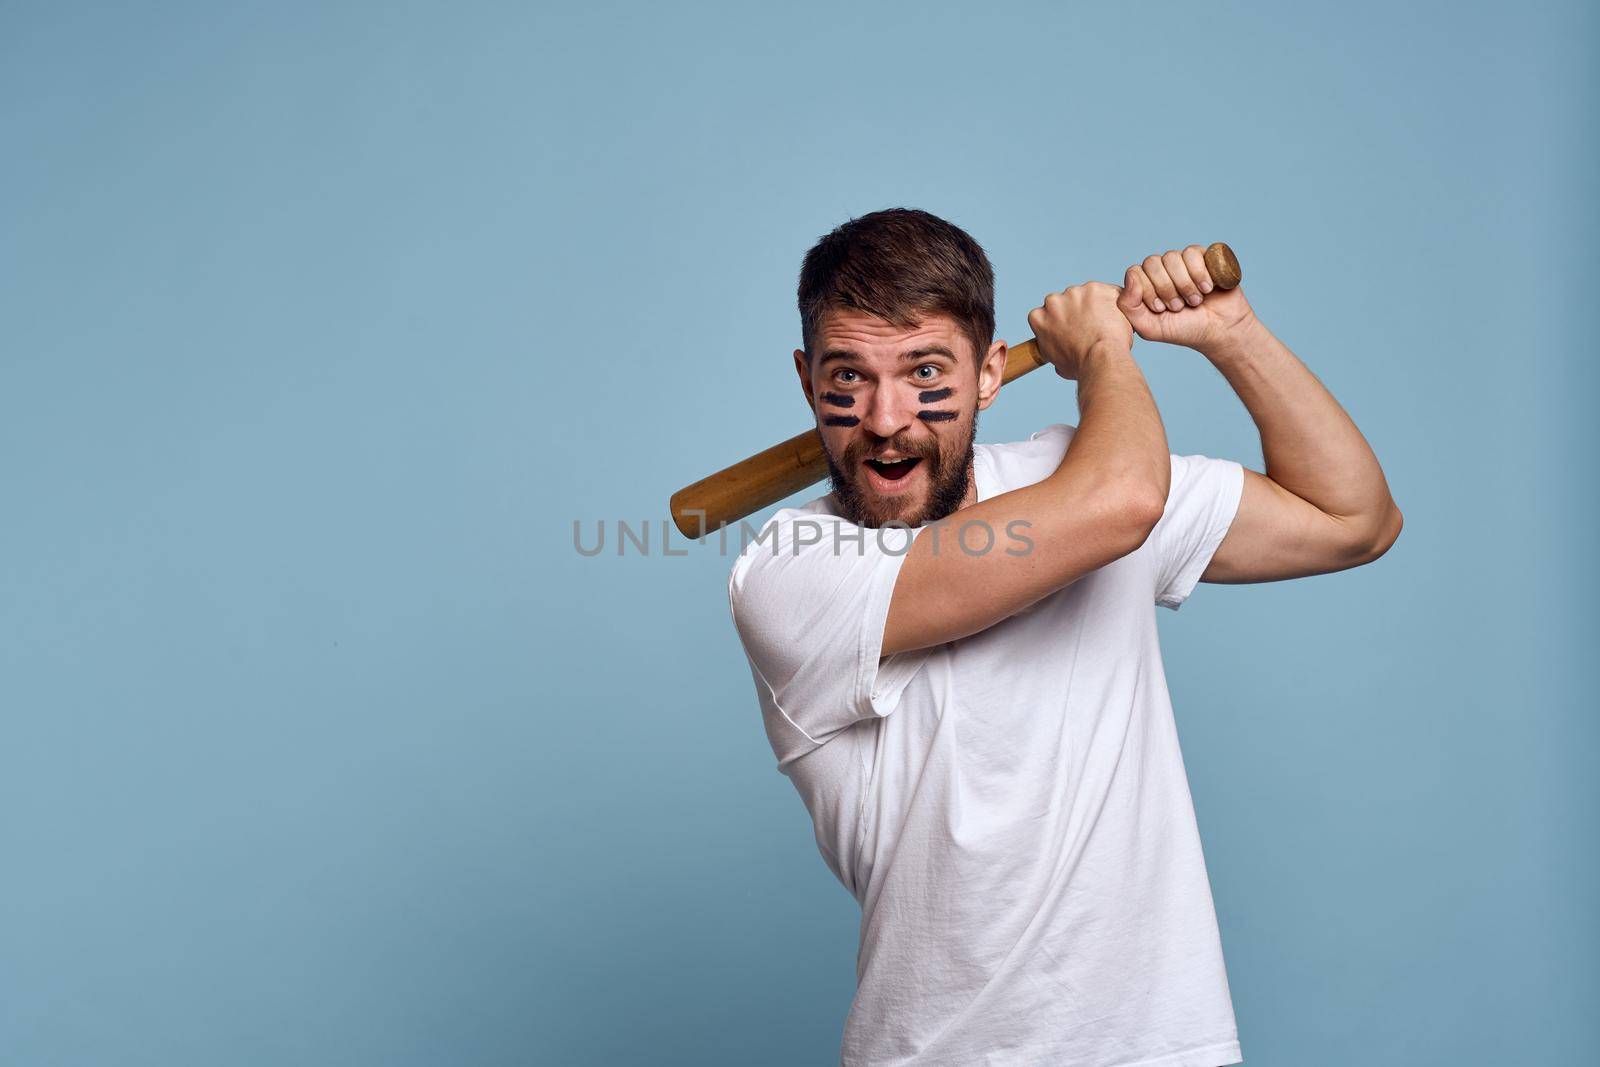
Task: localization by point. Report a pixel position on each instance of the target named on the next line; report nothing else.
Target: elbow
(1384, 534)
(1140, 509)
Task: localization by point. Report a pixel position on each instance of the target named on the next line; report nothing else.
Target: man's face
(897, 410)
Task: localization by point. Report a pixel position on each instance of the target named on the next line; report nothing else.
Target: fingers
(1194, 257)
(1188, 292)
(1166, 295)
(1134, 287)
(1141, 283)
(1169, 282)
(1041, 314)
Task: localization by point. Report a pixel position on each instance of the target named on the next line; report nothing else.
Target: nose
(890, 409)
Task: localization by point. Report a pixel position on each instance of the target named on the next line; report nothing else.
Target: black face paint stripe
(839, 400)
(936, 416)
(930, 396)
(840, 420)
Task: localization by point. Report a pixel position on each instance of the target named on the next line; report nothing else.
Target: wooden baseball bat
(774, 473)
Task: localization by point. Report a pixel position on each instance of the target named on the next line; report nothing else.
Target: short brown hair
(899, 264)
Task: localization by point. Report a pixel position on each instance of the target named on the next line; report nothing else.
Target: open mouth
(894, 470)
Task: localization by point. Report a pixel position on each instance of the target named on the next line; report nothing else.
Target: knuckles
(1060, 305)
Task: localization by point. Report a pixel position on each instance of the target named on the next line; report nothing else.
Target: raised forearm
(1119, 436)
(1310, 444)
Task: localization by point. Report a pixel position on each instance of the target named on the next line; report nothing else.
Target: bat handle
(1221, 264)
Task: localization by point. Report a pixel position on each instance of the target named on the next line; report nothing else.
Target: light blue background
(320, 325)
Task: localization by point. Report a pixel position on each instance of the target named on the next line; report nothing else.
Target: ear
(991, 372)
(802, 367)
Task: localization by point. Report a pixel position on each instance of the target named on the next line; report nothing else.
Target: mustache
(858, 450)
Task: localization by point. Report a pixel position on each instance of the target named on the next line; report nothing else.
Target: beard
(948, 478)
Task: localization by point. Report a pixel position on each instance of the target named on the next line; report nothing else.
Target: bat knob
(1223, 266)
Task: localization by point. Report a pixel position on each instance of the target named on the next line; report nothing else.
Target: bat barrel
(746, 487)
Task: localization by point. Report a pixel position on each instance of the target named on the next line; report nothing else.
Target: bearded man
(984, 738)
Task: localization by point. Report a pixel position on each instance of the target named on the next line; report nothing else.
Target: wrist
(1237, 342)
(1104, 351)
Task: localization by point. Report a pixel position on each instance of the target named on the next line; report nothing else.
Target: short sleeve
(1201, 503)
(809, 599)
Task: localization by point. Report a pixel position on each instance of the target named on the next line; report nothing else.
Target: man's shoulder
(776, 536)
(804, 550)
(1014, 464)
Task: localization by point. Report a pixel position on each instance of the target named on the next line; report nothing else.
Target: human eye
(931, 368)
(846, 376)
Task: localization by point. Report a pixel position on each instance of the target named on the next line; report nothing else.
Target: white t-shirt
(1011, 809)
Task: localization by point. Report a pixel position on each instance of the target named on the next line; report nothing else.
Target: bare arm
(1100, 504)
(1323, 503)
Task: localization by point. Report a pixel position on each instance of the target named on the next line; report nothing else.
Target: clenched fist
(1072, 323)
(1172, 298)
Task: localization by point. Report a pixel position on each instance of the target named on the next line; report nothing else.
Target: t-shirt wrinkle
(771, 696)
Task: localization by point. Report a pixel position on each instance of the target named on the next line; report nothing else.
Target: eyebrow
(915, 353)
